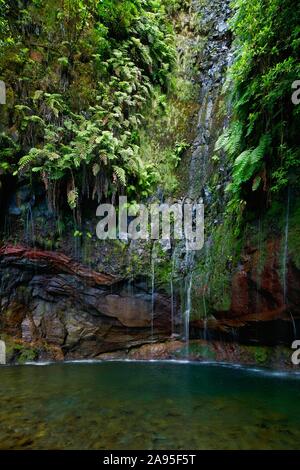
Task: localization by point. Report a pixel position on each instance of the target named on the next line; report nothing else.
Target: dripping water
(130, 290)
(187, 313)
(153, 260)
(172, 293)
(206, 280)
(285, 251)
(29, 225)
(216, 57)
(285, 262)
(205, 335)
(258, 282)
(294, 325)
(188, 297)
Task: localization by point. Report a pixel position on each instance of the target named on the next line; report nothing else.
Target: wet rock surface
(263, 308)
(50, 299)
(213, 62)
(82, 313)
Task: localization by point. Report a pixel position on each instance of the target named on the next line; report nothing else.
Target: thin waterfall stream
(153, 261)
(149, 228)
(285, 262)
(172, 293)
(187, 313)
(286, 249)
(190, 257)
(216, 56)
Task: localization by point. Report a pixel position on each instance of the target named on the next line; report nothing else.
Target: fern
(120, 175)
(249, 162)
(28, 159)
(242, 169)
(231, 139)
(73, 198)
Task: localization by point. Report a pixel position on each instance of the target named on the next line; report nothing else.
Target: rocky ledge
(66, 311)
(55, 308)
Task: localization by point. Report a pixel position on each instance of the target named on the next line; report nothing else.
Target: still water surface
(147, 405)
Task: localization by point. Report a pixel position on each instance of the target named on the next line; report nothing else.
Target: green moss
(261, 355)
(27, 355)
(17, 352)
(205, 351)
(197, 351)
(214, 270)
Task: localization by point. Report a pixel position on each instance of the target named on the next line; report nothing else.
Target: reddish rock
(36, 56)
(257, 292)
(56, 262)
(48, 298)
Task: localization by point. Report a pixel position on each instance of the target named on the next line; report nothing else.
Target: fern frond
(28, 159)
(120, 174)
(249, 162)
(231, 139)
(233, 143)
(73, 198)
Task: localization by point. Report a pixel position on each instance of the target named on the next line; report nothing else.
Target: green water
(128, 405)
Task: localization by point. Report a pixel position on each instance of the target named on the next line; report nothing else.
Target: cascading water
(215, 58)
(258, 266)
(188, 306)
(206, 278)
(29, 225)
(190, 256)
(153, 261)
(285, 261)
(286, 249)
(172, 293)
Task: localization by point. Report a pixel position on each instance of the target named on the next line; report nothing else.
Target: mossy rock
(19, 353)
(261, 355)
(197, 351)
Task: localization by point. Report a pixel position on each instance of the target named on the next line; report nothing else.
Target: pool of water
(133, 405)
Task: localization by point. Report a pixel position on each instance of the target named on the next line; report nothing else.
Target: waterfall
(153, 260)
(187, 313)
(285, 262)
(215, 58)
(206, 280)
(190, 256)
(205, 335)
(258, 274)
(286, 248)
(172, 293)
(29, 225)
(294, 326)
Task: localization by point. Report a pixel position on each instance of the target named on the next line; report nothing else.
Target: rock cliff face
(259, 309)
(213, 61)
(62, 309)
(244, 287)
(49, 300)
